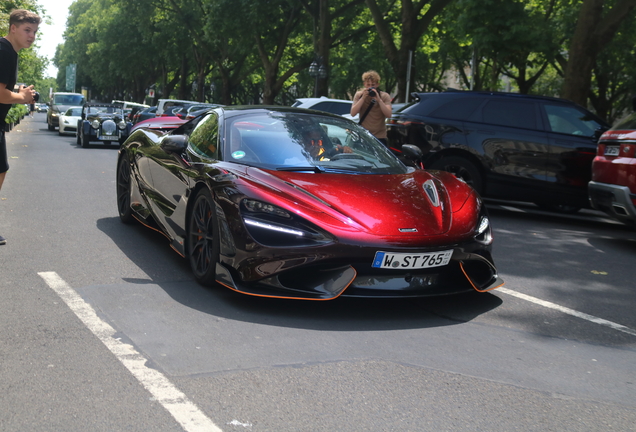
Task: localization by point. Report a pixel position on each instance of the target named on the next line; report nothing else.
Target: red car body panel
(345, 220)
(613, 185)
(161, 123)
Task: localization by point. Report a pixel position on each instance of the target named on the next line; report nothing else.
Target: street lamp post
(317, 70)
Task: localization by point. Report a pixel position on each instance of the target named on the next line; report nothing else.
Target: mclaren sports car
(292, 203)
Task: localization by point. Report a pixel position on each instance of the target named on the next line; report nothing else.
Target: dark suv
(506, 145)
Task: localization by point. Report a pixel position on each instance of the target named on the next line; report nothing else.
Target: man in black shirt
(23, 26)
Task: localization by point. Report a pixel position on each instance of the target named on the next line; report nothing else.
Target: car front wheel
(203, 239)
(84, 140)
(124, 185)
(462, 168)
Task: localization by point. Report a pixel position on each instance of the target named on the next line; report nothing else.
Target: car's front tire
(84, 140)
(124, 185)
(462, 168)
(203, 238)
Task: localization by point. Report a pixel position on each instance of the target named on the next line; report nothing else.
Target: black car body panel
(517, 147)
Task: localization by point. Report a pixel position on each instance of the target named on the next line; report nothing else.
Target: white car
(69, 120)
(335, 106)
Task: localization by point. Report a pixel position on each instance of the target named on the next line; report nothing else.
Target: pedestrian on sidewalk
(23, 26)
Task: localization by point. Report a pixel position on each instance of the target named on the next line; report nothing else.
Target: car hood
(384, 205)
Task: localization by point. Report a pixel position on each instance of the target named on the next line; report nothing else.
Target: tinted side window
(341, 108)
(569, 120)
(458, 109)
(204, 139)
(510, 113)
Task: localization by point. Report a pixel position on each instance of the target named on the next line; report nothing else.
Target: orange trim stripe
(289, 298)
(461, 265)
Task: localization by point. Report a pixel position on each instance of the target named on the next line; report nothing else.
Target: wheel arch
(191, 198)
(462, 153)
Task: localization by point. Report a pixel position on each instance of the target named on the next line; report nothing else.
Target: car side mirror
(412, 152)
(598, 132)
(174, 143)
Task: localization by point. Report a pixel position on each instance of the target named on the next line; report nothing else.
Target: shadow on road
(151, 253)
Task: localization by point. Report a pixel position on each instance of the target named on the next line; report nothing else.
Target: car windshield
(104, 110)
(68, 99)
(306, 142)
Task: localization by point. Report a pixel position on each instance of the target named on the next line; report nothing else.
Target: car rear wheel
(203, 239)
(77, 135)
(462, 168)
(124, 185)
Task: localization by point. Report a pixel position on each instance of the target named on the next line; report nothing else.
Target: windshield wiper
(314, 168)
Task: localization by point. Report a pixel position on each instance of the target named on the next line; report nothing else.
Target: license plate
(109, 138)
(390, 260)
(611, 151)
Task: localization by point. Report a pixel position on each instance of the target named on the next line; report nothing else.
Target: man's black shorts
(4, 160)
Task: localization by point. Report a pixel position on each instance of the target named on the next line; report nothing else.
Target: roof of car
(455, 93)
(100, 104)
(320, 99)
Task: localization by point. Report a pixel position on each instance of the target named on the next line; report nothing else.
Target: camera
(371, 91)
(36, 97)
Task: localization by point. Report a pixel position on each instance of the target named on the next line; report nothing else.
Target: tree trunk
(414, 25)
(590, 37)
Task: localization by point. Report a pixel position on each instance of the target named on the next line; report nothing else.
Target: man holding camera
(23, 26)
(373, 105)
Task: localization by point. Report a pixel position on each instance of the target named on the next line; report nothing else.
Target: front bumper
(467, 271)
(615, 200)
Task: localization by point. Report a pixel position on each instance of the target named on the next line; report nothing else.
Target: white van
(162, 104)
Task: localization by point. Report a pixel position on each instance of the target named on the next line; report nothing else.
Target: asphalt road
(103, 328)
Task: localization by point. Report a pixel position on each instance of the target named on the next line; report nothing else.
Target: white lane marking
(569, 311)
(186, 413)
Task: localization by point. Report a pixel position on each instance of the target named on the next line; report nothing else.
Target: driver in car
(315, 145)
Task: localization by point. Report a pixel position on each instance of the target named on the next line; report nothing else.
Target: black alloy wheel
(202, 242)
(462, 168)
(77, 135)
(124, 184)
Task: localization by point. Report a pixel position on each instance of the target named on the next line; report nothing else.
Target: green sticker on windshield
(240, 154)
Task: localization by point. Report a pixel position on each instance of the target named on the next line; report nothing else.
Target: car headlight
(95, 124)
(255, 206)
(121, 125)
(274, 226)
(484, 231)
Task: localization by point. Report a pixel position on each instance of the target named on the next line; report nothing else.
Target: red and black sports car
(292, 203)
